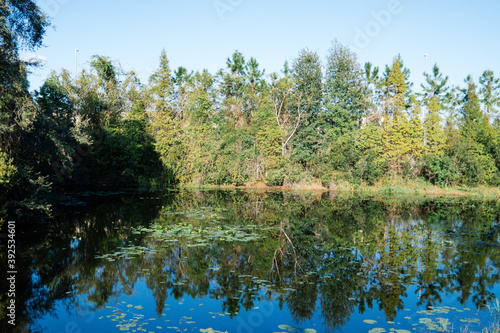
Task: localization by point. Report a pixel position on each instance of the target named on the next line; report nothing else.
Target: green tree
(434, 134)
(54, 98)
(286, 106)
(268, 136)
(233, 88)
(395, 87)
(22, 26)
(307, 77)
(7, 170)
(345, 90)
(254, 86)
(106, 70)
(161, 86)
(480, 135)
(416, 134)
(436, 86)
(57, 130)
(199, 135)
(371, 74)
(490, 92)
(308, 94)
(396, 135)
(475, 123)
(389, 88)
(372, 164)
(374, 97)
(100, 94)
(165, 123)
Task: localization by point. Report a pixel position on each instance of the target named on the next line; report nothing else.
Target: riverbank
(386, 187)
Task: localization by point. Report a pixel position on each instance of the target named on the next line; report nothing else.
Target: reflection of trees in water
(332, 256)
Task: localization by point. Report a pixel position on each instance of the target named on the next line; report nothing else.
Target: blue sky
(462, 37)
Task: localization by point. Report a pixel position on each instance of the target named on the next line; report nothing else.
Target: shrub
(464, 162)
(442, 170)
(275, 177)
(369, 168)
(7, 169)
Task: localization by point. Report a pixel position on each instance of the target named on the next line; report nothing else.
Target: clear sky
(461, 36)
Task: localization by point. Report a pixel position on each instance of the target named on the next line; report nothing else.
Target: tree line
(326, 120)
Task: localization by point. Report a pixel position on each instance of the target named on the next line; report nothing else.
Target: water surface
(217, 261)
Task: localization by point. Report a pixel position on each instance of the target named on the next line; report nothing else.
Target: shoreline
(377, 189)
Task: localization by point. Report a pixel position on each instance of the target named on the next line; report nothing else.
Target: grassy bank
(389, 186)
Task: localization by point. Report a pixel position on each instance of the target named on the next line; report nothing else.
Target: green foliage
(490, 92)
(416, 130)
(307, 96)
(307, 144)
(161, 86)
(369, 168)
(345, 151)
(372, 164)
(54, 99)
(168, 143)
(345, 90)
(105, 128)
(125, 154)
(163, 118)
(268, 137)
(434, 135)
(286, 107)
(395, 85)
(464, 162)
(274, 178)
(476, 124)
(397, 140)
(442, 170)
(7, 170)
(307, 77)
(22, 25)
(435, 87)
(478, 167)
(106, 71)
(397, 131)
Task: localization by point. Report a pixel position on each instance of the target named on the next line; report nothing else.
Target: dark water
(218, 261)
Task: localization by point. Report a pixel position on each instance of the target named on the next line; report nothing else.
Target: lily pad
(377, 330)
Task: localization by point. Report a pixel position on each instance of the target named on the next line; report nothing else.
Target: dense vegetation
(327, 121)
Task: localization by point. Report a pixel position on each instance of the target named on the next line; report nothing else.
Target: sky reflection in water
(262, 262)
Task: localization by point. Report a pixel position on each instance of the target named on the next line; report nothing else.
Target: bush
(239, 179)
(464, 162)
(369, 168)
(442, 170)
(275, 177)
(293, 174)
(7, 169)
(345, 152)
(219, 176)
(411, 168)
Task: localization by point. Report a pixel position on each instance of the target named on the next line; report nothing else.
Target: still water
(244, 261)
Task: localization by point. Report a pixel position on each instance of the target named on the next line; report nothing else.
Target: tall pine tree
(165, 122)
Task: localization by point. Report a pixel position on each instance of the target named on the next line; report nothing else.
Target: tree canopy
(328, 121)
